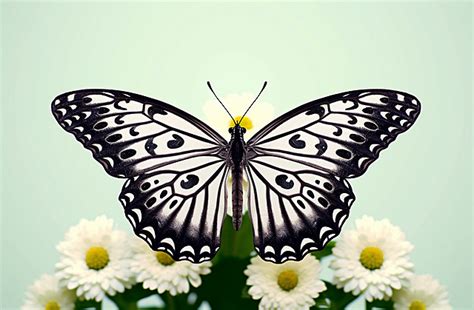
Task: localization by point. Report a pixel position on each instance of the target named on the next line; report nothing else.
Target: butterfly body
(176, 167)
(237, 159)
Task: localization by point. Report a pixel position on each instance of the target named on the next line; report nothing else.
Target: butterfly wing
(175, 165)
(180, 209)
(298, 164)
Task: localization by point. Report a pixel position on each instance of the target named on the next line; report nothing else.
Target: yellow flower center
(417, 305)
(245, 122)
(287, 280)
(52, 305)
(371, 258)
(164, 259)
(97, 258)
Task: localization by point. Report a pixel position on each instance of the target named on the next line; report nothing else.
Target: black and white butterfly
(176, 166)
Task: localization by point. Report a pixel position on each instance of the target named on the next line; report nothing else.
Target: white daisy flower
(372, 259)
(291, 285)
(95, 259)
(158, 271)
(258, 116)
(46, 293)
(423, 292)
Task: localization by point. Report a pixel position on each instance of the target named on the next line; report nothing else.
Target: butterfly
(176, 166)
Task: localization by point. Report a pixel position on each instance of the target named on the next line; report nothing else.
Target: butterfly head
(240, 124)
(237, 131)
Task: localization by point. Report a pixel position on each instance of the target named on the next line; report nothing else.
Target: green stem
(169, 301)
(368, 305)
(122, 303)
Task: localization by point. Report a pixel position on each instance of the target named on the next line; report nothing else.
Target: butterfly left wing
(130, 134)
(180, 208)
(298, 164)
(175, 165)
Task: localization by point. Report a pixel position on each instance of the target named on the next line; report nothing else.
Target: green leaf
(333, 298)
(326, 251)
(136, 293)
(222, 288)
(379, 304)
(128, 299)
(87, 304)
(236, 243)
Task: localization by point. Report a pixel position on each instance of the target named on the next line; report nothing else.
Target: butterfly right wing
(294, 208)
(298, 163)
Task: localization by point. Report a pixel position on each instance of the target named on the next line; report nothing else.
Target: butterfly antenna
(210, 87)
(263, 87)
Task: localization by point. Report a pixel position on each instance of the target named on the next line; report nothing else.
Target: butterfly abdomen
(237, 193)
(237, 154)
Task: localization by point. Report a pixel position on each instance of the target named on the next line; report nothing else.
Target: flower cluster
(371, 260)
(97, 260)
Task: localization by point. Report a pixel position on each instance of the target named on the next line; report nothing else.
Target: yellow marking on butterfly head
(245, 122)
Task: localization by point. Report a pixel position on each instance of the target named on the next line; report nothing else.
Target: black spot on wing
(150, 146)
(176, 142)
(344, 153)
(296, 143)
(127, 153)
(113, 138)
(322, 146)
(282, 180)
(192, 180)
(319, 110)
(152, 110)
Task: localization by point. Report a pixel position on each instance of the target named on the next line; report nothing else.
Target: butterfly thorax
(236, 160)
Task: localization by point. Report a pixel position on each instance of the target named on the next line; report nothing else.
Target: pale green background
(305, 51)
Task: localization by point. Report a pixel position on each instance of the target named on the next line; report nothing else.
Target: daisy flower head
(291, 285)
(47, 294)
(423, 292)
(158, 271)
(94, 259)
(372, 259)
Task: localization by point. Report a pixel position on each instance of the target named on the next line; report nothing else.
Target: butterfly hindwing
(294, 209)
(179, 209)
(341, 134)
(130, 134)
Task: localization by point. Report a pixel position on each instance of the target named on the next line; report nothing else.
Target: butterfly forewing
(175, 165)
(131, 134)
(297, 165)
(341, 134)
